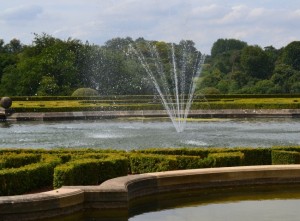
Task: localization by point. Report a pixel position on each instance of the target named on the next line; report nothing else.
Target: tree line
(51, 66)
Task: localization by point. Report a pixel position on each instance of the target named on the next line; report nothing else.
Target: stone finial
(6, 102)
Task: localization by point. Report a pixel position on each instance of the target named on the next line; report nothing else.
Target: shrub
(146, 163)
(90, 171)
(256, 156)
(227, 159)
(30, 177)
(18, 160)
(193, 162)
(285, 157)
(85, 92)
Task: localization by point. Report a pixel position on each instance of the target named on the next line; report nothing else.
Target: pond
(260, 203)
(248, 203)
(141, 133)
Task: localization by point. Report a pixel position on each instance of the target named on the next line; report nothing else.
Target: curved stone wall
(117, 193)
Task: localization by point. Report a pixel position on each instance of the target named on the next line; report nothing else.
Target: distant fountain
(174, 80)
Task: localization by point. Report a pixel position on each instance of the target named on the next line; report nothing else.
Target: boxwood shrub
(20, 180)
(285, 157)
(146, 163)
(18, 160)
(227, 159)
(90, 171)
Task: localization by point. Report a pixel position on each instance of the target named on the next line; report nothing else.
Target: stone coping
(119, 192)
(84, 115)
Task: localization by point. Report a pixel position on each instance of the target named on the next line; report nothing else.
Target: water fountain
(175, 84)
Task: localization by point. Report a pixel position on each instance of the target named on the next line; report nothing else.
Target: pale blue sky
(261, 22)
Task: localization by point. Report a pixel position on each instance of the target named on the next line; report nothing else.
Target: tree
(291, 55)
(226, 45)
(285, 77)
(14, 46)
(256, 62)
(48, 87)
(264, 87)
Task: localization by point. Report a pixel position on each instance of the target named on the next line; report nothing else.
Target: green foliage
(85, 92)
(291, 55)
(51, 66)
(227, 159)
(15, 181)
(194, 162)
(226, 45)
(90, 171)
(146, 163)
(285, 157)
(43, 168)
(48, 87)
(256, 62)
(255, 156)
(18, 160)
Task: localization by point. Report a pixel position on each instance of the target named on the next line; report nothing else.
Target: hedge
(24, 170)
(18, 160)
(150, 97)
(146, 163)
(227, 159)
(285, 157)
(90, 171)
(252, 156)
(15, 181)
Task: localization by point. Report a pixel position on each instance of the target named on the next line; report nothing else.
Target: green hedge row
(115, 107)
(231, 105)
(158, 106)
(90, 171)
(92, 166)
(146, 163)
(149, 97)
(228, 159)
(285, 157)
(18, 160)
(252, 156)
(15, 181)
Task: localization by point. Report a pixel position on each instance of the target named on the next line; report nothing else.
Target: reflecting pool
(140, 133)
(272, 203)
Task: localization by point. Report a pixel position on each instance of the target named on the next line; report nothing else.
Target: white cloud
(265, 22)
(21, 13)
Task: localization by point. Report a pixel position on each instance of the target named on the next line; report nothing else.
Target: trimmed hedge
(29, 169)
(285, 157)
(15, 181)
(229, 159)
(252, 156)
(90, 171)
(18, 160)
(150, 97)
(146, 163)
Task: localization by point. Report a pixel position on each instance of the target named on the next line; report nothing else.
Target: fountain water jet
(175, 86)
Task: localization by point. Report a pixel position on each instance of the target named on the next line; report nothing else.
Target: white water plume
(175, 86)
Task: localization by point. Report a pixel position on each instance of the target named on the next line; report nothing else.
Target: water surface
(144, 133)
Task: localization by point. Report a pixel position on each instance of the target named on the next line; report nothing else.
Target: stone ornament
(6, 102)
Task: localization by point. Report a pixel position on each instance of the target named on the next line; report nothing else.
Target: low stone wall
(226, 113)
(116, 194)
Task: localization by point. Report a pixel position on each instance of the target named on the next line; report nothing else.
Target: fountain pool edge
(84, 115)
(115, 194)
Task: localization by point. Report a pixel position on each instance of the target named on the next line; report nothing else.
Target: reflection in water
(136, 134)
(5, 124)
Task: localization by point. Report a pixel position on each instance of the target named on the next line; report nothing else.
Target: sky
(257, 22)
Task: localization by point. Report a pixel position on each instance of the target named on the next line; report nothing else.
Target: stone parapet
(116, 194)
(85, 115)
